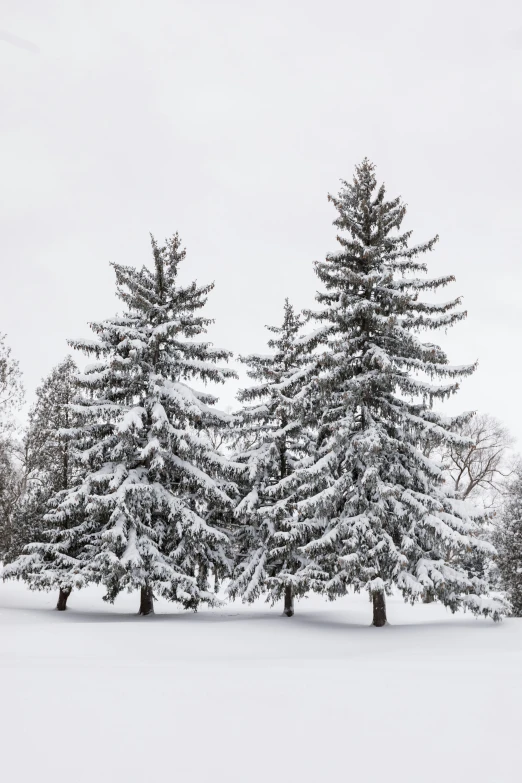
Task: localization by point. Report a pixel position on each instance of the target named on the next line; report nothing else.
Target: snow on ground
(244, 695)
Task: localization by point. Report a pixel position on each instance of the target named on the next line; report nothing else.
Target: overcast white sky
(230, 121)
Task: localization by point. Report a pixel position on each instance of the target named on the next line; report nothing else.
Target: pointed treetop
(150, 291)
(167, 257)
(287, 332)
(372, 222)
(364, 177)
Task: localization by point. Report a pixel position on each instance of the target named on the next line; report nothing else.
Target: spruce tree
(376, 509)
(274, 441)
(48, 459)
(149, 509)
(508, 541)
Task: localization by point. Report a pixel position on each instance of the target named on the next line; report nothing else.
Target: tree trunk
(379, 609)
(62, 599)
(289, 601)
(428, 598)
(203, 578)
(146, 601)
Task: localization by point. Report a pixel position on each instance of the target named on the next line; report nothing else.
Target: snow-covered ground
(243, 694)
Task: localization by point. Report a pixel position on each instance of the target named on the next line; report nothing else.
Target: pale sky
(230, 122)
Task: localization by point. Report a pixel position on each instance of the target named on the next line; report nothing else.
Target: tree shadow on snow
(337, 621)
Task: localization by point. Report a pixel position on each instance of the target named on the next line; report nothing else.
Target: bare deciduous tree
(11, 389)
(480, 468)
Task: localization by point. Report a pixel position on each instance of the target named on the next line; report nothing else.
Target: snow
(242, 694)
(132, 418)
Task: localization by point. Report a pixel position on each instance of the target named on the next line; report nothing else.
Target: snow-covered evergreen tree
(48, 461)
(11, 477)
(508, 541)
(274, 441)
(377, 511)
(48, 450)
(149, 510)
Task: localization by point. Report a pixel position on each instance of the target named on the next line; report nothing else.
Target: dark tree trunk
(428, 598)
(63, 595)
(203, 578)
(289, 601)
(379, 609)
(146, 601)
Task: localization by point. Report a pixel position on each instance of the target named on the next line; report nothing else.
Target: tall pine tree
(48, 459)
(50, 421)
(274, 441)
(149, 509)
(376, 509)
